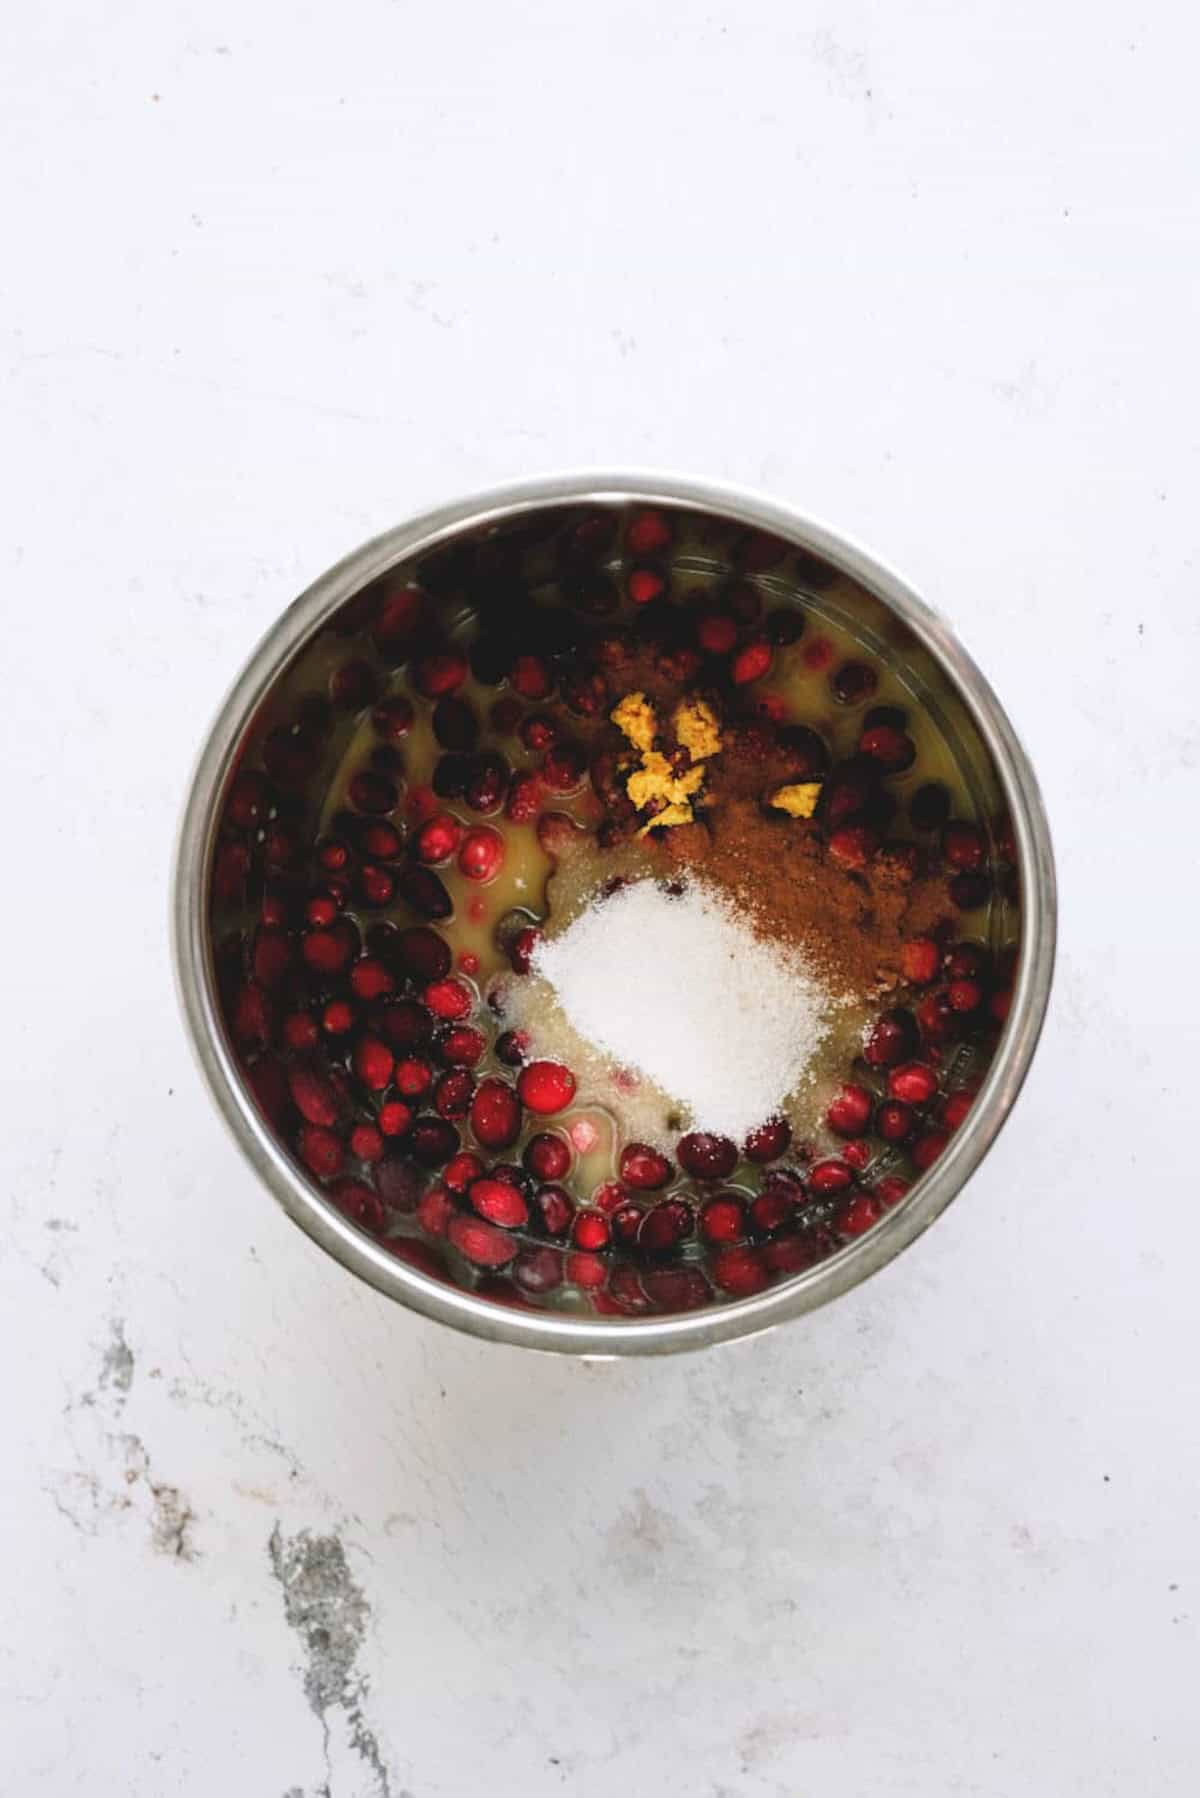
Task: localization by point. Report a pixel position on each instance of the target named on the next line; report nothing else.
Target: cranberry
(333, 855)
(853, 682)
(487, 782)
(807, 753)
(397, 622)
(893, 1038)
(856, 1215)
(546, 1086)
(626, 1221)
(538, 1270)
(955, 1109)
(547, 1156)
(454, 723)
(462, 1046)
(913, 1082)
(707, 1157)
(373, 1062)
(610, 1195)
(586, 1270)
(784, 626)
(504, 716)
(337, 1019)
(452, 1094)
(969, 891)
(895, 1121)
(644, 585)
(852, 846)
(499, 1203)
(272, 956)
(892, 748)
(520, 952)
(249, 799)
(510, 1048)
(847, 794)
(395, 1117)
(330, 951)
(251, 1020)
(769, 1141)
(927, 1148)
(1000, 1004)
(413, 1076)
(716, 633)
(786, 1180)
(382, 841)
(451, 774)
(524, 798)
(829, 1177)
(964, 847)
(539, 732)
(468, 961)
(481, 853)
(857, 1155)
(920, 959)
(406, 1025)
(353, 685)
(675, 1288)
(421, 889)
(585, 695)
(591, 1230)
(649, 533)
(313, 1094)
(436, 675)
(818, 654)
(370, 979)
(723, 1219)
(371, 792)
(929, 806)
(321, 910)
(554, 1209)
(565, 768)
(531, 678)
(376, 885)
(321, 1151)
(850, 1113)
(495, 1114)
(300, 1031)
(665, 1226)
(480, 1242)
(460, 1170)
(752, 663)
(432, 1141)
(936, 1019)
(449, 999)
(739, 1271)
(643, 1167)
(964, 995)
(366, 1141)
(290, 757)
(392, 717)
(435, 1209)
(793, 1253)
(891, 1189)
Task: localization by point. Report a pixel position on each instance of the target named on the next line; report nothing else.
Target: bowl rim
(448, 1304)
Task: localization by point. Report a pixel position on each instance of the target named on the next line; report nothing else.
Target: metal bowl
(904, 626)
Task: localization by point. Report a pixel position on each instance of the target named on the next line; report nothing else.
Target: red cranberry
(920, 959)
(468, 961)
(376, 886)
(406, 1025)
(846, 795)
(739, 1271)
(852, 847)
(333, 855)
(793, 1253)
(460, 1170)
(481, 853)
(510, 1048)
(895, 1121)
(929, 806)
(853, 682)
(452, 1094)
(856, 1215)
(643, 1167)
(786, 1180)
(524, 798)
(438, 839)
(539, 732)
(554, 1209)
(723, 1219)
(300, 1031)
(716, 633)
(768, 1142)
(649, 533)
(771, 1211)
(330, 951)
(665, 1226)
(591, 1230)
(313, 1094)
(891, 1189)
(495, 1114)
(752, 663)
(969, 891)
(521, 949)
(432, 1141)
(373, 1062)
(337, 1019)
(321, 1151)
(964, 847)
(370, 979)
(538, 1270)
(1000, 1004)
(395, 1117)
(610, 1195)
(850, 1112)
(857, 1155)
(499, 1203)
(893, 1038)
(356, 1200)
(927, 1148)
(423, 953)
(366, 1141)
(935, 1018)
(675, 1288)
(955, 1109)
(546, 1086)
(547, 1156)
(462, 1046)
(829, 1177)
(565, 768)
(321, 910)
(892, 748)
(392, 717)
(531, 678)
(706, 1157)
(913, 1082)
(382, 841)
(449, 999)
(374, 793)
(413, 1076)
(435, 1209)
(626, 1221)
(436, 675)
(586, 1270)
(645, 585)
(964, 995)
(479, 1242)
(486, 782)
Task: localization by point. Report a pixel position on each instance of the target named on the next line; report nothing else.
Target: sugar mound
(677, 987)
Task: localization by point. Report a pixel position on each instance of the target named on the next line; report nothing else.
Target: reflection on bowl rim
(578, 1334)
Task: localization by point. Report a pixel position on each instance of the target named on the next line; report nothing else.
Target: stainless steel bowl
(925, 632)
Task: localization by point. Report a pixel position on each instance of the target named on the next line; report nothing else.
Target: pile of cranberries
(372, 1048)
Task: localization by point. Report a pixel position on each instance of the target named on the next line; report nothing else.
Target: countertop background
(274, 277)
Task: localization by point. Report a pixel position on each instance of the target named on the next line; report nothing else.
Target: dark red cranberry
(890, 1190)
(405, 1024)
(648, 533)
(432, 1141)
(539, 732)
(591, 1230)
(706, 1157)
(643, 1167)
(421, 889)
(752, 663)
(585, 695)
(352, 685)
(524, 798)
(505, 715)
(739, 1271)
(395, 1117)
(546, 1087)
(665, 1226)
(1000, 1004)
(674, 1289)
(564, 768)
(847, 795)
(392, 717)
(936, 1019)
(330, 951)
(927, 1148)
(547, 1156)
(361, 1204)
(499, 1203)
(895, 1121)
(452, 1093)
(531, 678)
(966, 961)
(375, 886)
(248, 800)
(538, 1271)
(929, 806)
(333, 855)
(462, 1046)
(920, 959)
(486, 783)
(495, 1114)
(964, 847)
(850, 1112)
(723, 1218)
(786, 1180)
(313, 1093)
(965, 995)
(852, 846)
(435, 1209)
(625, 1222)
(322, 909)
(510, 1048)
(610, 1195)
(807, 755)
(793, 1253)
(829, 1177)
(893, 1038)
(913, 1082)
(450, 775)
(374, 793)
(856, 1215)
(272, 956)
(768, 1142)
(969, 891)
(717, 633)
(481, 853)
(321, 1151)
(491, 659)
(784, 626)
(439, 674)
(891, 748)
(454, 723)
(483, 1244)
(853, 682)
(553, 1209)
(397, 623)
(773, 1210)
(382, 841)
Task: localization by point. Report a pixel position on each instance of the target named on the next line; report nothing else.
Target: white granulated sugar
(679, 989)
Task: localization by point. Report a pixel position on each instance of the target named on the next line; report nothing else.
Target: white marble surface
(273, 282)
